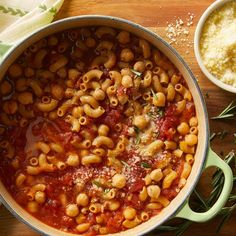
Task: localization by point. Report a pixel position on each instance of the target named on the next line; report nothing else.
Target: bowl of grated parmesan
(215, 44)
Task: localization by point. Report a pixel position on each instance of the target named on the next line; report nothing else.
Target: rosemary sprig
(167, 228)
(228, 112)
(226, 216)
(222, 134)
(213, 135)
(205, 204)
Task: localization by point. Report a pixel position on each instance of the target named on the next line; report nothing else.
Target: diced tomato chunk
(170, 122)
(112, 118)
(114, 222)
(170, 110)
(137, 186)
(169, 193)
(121, 91)
(91, 218)
(189, 111)
(90, 233)
(134, 202)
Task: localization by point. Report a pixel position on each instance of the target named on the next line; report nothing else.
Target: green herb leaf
(137, 73)
(136, 129)
(157, 112)
(138, 140)
(145, 165)
(125, 163)
(153, 94)
(160, 112)
(98, 184)
(107, 190)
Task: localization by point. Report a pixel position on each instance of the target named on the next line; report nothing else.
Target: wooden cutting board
(156, 15)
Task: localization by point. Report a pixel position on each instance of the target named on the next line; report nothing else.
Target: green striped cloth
(19, 18)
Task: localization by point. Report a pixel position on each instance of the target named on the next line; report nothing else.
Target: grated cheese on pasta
(218, 43)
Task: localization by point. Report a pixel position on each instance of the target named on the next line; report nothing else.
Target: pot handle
(212, 160)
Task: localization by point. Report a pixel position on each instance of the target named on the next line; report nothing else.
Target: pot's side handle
(212, 160)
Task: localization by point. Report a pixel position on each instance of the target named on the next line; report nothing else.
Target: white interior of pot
(201, 114)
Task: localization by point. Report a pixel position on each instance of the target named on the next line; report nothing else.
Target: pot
(204, 156)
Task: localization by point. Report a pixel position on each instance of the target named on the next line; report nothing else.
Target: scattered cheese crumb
(179, 30)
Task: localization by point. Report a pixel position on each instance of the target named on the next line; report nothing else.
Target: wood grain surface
(155, 15)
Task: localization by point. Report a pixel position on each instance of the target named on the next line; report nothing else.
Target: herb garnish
(158, 112)
(107, 190)
(138, 140)
(156, 134)
(98, 184)
(204, 204)
(145, 165)
(137, 73)
(124, 163)
(153, 94)
(228, 112)
(137, 131)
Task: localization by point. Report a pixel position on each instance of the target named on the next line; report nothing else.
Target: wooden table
(154, 14)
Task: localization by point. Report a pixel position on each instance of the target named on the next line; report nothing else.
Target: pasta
(98, 129)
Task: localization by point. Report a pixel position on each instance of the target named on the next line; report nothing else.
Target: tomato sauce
(130, 153)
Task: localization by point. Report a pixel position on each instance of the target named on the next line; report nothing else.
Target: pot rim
(156, 37)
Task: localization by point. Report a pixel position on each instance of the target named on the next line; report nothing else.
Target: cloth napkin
(19, 18)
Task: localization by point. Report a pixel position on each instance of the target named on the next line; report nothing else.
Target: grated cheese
(178, 29)
(218, 43)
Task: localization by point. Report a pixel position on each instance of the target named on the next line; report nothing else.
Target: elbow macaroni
(97, 124)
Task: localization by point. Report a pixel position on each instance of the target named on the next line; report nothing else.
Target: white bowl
(217, 4)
